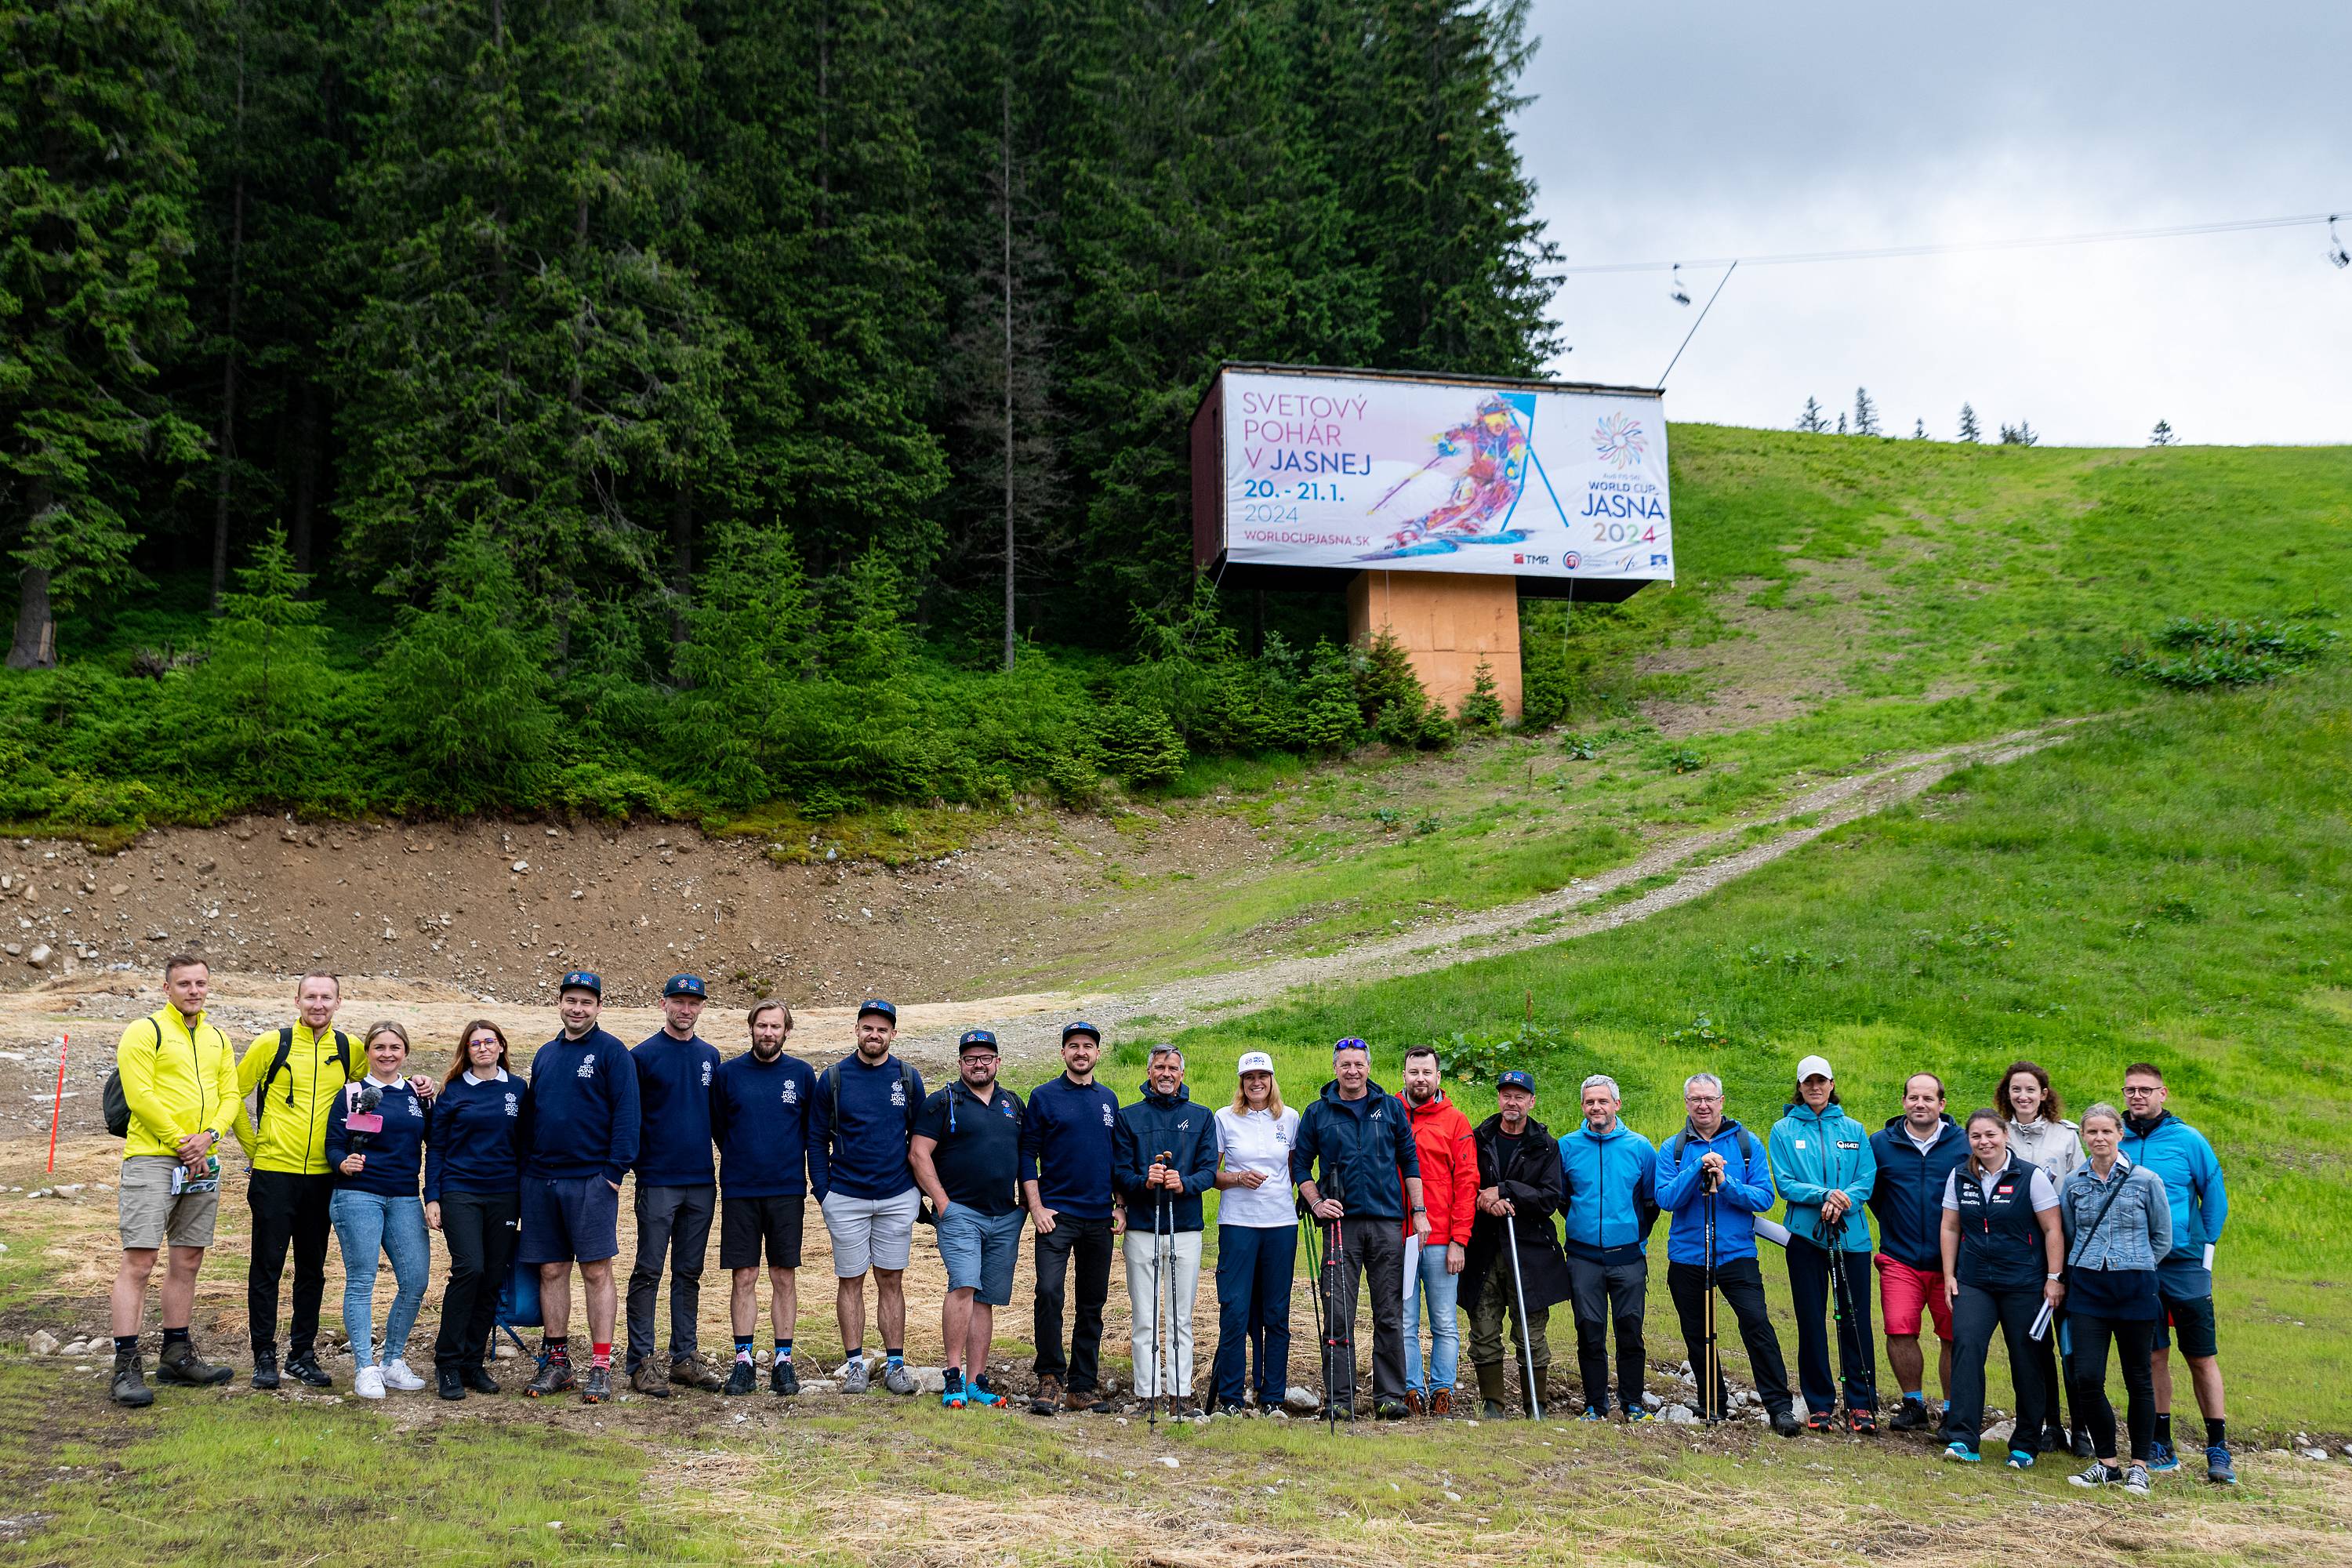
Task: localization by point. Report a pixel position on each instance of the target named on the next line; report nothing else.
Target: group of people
(2053, 1233)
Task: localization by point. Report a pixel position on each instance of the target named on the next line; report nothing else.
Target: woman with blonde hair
(376, 1146)
(1257, 1238)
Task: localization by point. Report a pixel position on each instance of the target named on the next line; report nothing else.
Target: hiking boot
(782, 1379)
(179, 1363)
(598, 1387)
(896, 1378)
(1440, 1404)
(1048, 1397)
(2100, 1474)
(1338, 1413)
(1088, 1401)
(1495, 1410)
(693, 1372)
(742, 1377)
(554, 1377)
(303, 1367)
(1861, 1423)
(1390, 1410)
(2135, 1480)
(1911, 1416)
(129, 1386)
(952, 1394)
(478, 1380)
(1821, 1421)
(854, 1376)
(651, 1379)
(451, 1385)
(265, 1369)
(2082, 1444)
(1412, 1401)
(2218, 1468)
(1785, 1422)
(2160, 1456)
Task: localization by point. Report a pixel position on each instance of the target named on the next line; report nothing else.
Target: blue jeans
(369, 1225)
(1253, 1271)
(1429, 1281)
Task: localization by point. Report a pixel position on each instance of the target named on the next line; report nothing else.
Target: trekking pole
(1710, 1401)
(1312, 1243)
(1163, 1376)
(1526, 1352)
(1339, 1348)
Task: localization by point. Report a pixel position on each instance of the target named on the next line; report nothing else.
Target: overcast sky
(1696, 128)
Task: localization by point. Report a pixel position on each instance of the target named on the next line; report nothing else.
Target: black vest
(2001, 1236)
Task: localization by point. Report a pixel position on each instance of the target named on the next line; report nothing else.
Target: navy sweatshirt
(760, 1117)
(674, 1080)
(859, 1148)
(479, 1132)
(583, 1096)
(1171, 1124)
(1066, 1146)
(396, 1155)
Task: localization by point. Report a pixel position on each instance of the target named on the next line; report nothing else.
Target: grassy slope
(1980, 589)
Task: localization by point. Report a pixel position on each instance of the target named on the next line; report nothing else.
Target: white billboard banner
(1381, 474)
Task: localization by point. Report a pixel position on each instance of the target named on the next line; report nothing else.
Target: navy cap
(1515, 1078)
(972, 1037)
(875, 1005)
(1080, 1027)
(685, 985)
(583, 980)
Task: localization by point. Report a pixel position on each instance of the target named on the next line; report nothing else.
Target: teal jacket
(1815, 1154)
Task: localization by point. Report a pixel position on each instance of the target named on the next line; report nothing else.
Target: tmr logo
(1530, 560)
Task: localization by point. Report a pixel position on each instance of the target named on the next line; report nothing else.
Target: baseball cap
(1814, 1067)
(583, 980)
(875, 1005)
(1253, 1061)
(972, 1037)
(1513, 1078)
(684, 985)
(1080, 1027)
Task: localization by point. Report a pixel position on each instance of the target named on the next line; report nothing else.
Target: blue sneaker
(1639, 1413)
(2019, 1459)
(978, 1395)
(1592, 1415)
(2160, 1456)
(1962, 1454)
(2218, 1469)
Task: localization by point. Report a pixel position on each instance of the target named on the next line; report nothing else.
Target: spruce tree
(1865, 413)
(1919, 429)
(1969, 430)
(1812, 418)
(95, 178)
(2162, 435)
(262, 690)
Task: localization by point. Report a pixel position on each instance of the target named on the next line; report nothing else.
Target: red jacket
(1449, 1170)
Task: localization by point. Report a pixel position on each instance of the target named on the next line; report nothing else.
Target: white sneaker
(369, 1384)
(397, 1375)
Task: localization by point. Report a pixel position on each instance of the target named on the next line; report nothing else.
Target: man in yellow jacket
(298, 1071)
(179, 1078)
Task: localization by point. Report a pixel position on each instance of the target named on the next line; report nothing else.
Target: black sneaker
(479, 1381)
(2054, 1440)
(1390, 1410)
(450, 1383)
(264, 1370)
(303, 1367)
(1821, 1421)
(179, 1363)
(1233, 1407)
(1786, 1423)
(742, 1377)
(1911, 1416)
(782, 1379)
(130, 1385)
(2082, 1444)
(598, 1386)
(554, 1377)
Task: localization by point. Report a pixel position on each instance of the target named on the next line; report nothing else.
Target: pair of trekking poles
(1840, 1301)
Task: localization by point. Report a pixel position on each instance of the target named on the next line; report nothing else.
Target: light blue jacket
(1815, 1154)
(1611, 1193)
(2177, 1155)
(2132, 1232)
(1747, 1192)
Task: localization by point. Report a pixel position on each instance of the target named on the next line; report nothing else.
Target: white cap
(1254, 1061)
(1814, 1067)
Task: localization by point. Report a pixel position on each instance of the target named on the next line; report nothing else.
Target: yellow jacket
(179, 1079)
(292, 1135)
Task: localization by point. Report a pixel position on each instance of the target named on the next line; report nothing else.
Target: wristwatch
(1417, 1209)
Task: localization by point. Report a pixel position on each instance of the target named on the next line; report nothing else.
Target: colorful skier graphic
(1487, 458)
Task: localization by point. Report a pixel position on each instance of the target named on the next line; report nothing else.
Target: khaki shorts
(151, 1215)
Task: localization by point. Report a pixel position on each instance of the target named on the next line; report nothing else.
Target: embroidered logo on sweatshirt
(513, 1109)
(792, 1092)
(587, 1068)
(898, 1094)
(706, 1075)
(1106, 1116)
(415, 1107)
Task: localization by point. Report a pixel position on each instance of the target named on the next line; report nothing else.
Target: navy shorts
(2189, 1319)
(569, 1217)
(747, 1226)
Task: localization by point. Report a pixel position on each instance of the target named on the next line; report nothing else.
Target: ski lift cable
(1957, 247)
(1697, 324)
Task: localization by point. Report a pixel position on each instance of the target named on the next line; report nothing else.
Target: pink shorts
(1903, 1290)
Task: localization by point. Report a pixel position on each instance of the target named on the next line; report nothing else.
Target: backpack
(1681, 1139)
(117, 1104)
(277, 1064)
(831, 1078)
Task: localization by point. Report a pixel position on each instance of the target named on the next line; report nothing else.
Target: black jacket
(1163, 1124)
(1368, 1142)
(1537, 1187)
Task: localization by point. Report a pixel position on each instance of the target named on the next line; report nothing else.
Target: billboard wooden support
(1447, 623)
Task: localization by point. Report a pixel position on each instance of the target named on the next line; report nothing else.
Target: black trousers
(1370, 1248)
(480, 1229)
(1741, 1284)
(2086, 1370)
(1089, 1241)
(288, 1210)
(1600, 1294)
(1821, 1284)
(676, 1222)
(1975, 1312)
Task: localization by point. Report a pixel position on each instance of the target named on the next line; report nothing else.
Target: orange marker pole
(57, 1107)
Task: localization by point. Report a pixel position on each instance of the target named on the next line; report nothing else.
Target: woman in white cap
(1257, 1238)
(1822, 1164)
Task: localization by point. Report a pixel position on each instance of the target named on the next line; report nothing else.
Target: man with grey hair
(1163, 1157)
(1611, 1173)
(1713, 1177)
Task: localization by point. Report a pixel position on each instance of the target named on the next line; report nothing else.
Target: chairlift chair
(2336, 253)
(1681, 295)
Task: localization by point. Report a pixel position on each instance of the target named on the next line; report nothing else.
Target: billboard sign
(1371, 472)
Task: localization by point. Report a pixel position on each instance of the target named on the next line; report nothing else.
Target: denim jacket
(2136, 1231)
